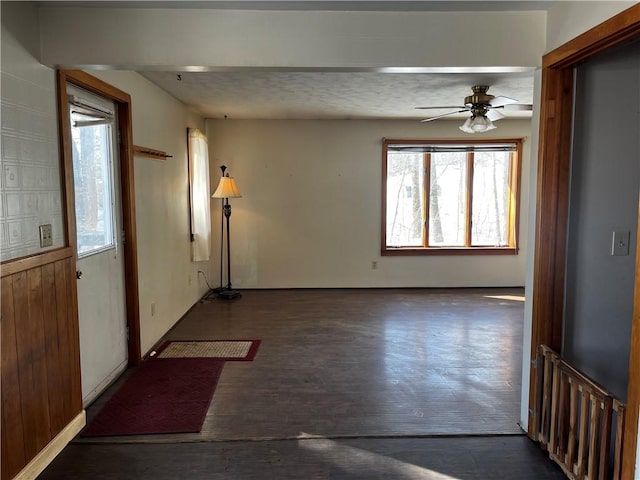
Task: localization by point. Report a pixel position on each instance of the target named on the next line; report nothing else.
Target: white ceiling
(261, 94)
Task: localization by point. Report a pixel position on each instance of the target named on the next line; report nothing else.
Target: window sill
(411, 251)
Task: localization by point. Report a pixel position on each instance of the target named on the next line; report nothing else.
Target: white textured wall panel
(31, 193)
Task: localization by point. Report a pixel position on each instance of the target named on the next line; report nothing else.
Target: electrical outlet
(153, 309)
(46, 235)
(374, 265)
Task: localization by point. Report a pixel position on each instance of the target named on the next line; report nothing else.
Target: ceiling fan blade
(494, 115)
(443, 115)
(446, 107)
(519, 106)
(502, 101)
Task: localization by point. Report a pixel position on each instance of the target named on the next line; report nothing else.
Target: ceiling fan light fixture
(483, 108)
(481, 123)
(477, 124)
(466, 126)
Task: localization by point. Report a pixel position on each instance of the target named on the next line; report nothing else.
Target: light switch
(620, 244)
(46, 237)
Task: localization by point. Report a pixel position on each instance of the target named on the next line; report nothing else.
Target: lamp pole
(226, 189)
(221, 287)
(227, 215)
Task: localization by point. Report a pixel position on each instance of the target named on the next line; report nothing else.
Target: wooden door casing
(554, 162)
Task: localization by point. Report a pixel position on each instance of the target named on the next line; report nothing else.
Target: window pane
(93, 187)
(448, 199)
(405, 213)
(490, 215)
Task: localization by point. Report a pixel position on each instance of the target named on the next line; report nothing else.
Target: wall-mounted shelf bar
(139, 151)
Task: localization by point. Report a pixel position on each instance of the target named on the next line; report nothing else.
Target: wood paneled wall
(41, 391)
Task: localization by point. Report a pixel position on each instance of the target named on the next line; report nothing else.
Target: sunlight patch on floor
(357, 461)
(515, 298)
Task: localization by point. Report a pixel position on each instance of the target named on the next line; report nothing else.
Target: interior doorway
(556, 128)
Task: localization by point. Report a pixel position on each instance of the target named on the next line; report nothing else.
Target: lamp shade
(227, 188)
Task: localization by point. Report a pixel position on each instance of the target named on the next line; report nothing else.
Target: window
(450, 197)
(92, 139)
(200, 196)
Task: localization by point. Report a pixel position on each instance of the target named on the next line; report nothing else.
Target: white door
(100, 265)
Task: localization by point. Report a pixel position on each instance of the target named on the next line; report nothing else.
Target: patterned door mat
(239, 350)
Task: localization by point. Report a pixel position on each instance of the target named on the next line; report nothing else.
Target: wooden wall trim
(611, 32)
(552, 214)
(630, 437)
(36, 466)
(93, 84)
(556, 124)
(27, 263)
(383, 196)
(131, 238)
(515, 215)
(66, 162)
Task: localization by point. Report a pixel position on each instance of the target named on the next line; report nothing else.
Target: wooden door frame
(554, 162)
(123, 102)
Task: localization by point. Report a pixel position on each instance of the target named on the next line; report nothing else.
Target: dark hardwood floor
(445, 458)
(395, 383)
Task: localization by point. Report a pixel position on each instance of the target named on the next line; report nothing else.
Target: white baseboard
(36, 466)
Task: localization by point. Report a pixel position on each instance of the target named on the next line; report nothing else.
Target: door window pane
(447, 205)
(490, 212)
(405, 212)
(93, 186)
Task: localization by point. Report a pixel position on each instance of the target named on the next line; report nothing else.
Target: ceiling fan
(484, 109)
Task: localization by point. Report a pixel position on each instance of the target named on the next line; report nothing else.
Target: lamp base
(211, 294)
(227, 294)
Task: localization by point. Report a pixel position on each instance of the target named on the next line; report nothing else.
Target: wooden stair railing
(573, 420)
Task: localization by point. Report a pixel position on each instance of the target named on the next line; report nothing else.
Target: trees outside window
(450, 197)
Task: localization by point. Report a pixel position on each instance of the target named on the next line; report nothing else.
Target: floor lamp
(227, 189)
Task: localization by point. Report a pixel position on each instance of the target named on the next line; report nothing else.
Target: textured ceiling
(259, 94)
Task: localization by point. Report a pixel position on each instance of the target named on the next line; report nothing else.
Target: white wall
(31, 193)
(228, 38)
(162, 209)
(567, 20)
(310, 215)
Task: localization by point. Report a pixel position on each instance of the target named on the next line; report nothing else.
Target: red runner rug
(160, 396)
